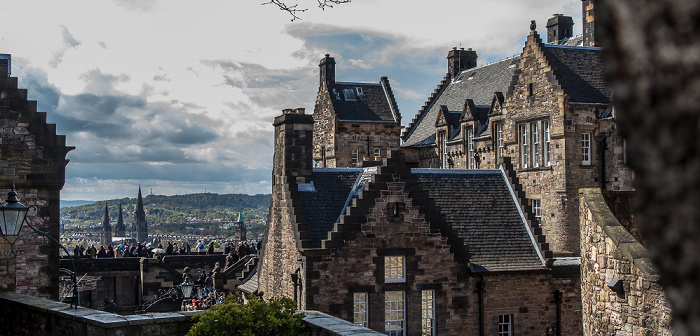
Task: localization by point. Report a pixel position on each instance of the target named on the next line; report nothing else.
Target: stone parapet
(611, 255)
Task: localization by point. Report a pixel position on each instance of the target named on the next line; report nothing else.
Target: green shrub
(278, 317)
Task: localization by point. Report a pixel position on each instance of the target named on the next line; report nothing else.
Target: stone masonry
(609, 252)
(34, 158)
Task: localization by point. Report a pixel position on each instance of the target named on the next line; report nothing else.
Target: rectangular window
(428, 312)
(394, 313)
(360, 309)
(377, 152)
(394, 269)
(523, 146)
(470, 148)
(624, 151)
(360, 92)
(505, 325)
(547, 144)
(349, 94)
(443, 149)
(499, 141)
(535, 144)
(537, 209)
(586, 148)
(355, 156)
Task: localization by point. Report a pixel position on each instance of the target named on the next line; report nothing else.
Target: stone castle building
(139, 228)
(404, 251)
(548, 110)
(34, 158)
(354, 122)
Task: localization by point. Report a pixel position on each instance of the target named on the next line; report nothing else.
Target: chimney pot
(300, 110)
(288, 111)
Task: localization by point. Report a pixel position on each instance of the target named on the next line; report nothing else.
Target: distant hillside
(204, 213)
(75, 203)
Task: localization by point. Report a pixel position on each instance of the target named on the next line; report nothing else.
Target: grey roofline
(522, 216)
(427, 109)
(371, 121)
(359, 83)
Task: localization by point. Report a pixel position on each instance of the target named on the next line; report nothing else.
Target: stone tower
(106, 228)
(139, 229)
(559, 27)
(120, 229)
(590, 38)
(459, 60)
(241, 227)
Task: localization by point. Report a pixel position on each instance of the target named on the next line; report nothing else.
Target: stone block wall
(354, 135)
(34, 158)
(608, 251)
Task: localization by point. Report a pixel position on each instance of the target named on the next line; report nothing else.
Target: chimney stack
(293, 146)
(327, 66)
(459, 60)
(559, 27)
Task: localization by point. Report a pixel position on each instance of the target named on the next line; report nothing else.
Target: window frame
(398, 270)
(377, 152)
(535, 148)
(395, 316)
(547, 150)
(443, 149)
(470, 147)
(428, 321)
(500, 149)
(360, 316)
(586, 146)
(537, 209)
(505, 321)
(524, 142)
(355, 158)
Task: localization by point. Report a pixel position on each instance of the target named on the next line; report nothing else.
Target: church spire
(120, 229)
(106, 228)
(140, 227)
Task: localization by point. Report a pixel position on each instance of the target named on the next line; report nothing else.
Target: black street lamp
(187, 286)
(12, 214)
(12, 217)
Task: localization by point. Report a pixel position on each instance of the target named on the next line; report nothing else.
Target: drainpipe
(557, 300)
(603, 147)
(297, 283)
(480, 291)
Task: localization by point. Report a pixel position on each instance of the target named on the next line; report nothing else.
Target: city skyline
(180, 99)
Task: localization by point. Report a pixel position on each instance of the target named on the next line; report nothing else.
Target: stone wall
(23, 315)
(608, 252)
(33, 157)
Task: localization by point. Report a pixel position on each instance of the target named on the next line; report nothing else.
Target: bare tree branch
(295, 10)
(329, 3)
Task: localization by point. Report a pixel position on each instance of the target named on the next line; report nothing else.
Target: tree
(255, 318)
(294, 9)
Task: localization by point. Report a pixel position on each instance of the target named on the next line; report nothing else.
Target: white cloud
(181, 95)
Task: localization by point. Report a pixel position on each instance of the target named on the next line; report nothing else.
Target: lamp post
(187, 286)
(12, 216)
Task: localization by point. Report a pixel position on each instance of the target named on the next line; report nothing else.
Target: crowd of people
(203, 303)
(233, 251)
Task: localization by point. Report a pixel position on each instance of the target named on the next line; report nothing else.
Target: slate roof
(323, 205)
(478, 204)
(581, 72)
(485, 81)
(371, 103)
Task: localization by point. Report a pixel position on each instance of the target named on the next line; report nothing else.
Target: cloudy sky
(179, 96)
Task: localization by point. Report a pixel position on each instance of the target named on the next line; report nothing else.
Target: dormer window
(471, 76)
(360, 92)
(349, 94)
(337, 94)
(513, 63)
